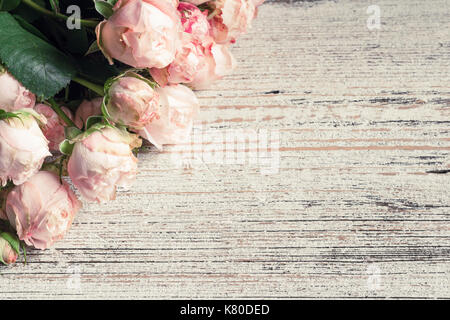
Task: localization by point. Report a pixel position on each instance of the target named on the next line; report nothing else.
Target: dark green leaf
(40, 67)
(8, 5)
(104, 8)
(96, 70)
(92, 48)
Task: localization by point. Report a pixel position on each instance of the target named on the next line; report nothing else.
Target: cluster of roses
(175, 43)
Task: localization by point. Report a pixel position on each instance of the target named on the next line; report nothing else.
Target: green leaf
(5, 115)
(8, 5)
(12, 240)
(72, 132)
(112, 2)
(92, 48)
(40, 67)
(66, 147)
(104, 8)
(93, 120)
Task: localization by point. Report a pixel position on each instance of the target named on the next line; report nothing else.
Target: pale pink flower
(86, 109)
(132, 102)
(174, 3)
(197, 63)
(23, 148)
(7, 254)
(194, 21)
(141, 33)
(102, 161)
(13, 95)
(219, 63)
(54, 128)
(196, 2)
(179, 106)
(42, 209)
(257, 3)
(231, 19)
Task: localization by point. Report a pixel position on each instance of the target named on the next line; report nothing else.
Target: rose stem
(60, 113)
(94, 87)
(35, 6)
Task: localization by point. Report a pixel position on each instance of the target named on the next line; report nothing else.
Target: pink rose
(257, 3)
(141, 33)
(13, 95)
(102, 161)
(179, 106)
(7, 254)
(132, 102)
(232, 18)
(196, 2)
(219, 63)
(87, 109)
(174, 3)
(23, 148)
(194, 21)
(54, 128)
(197, 63)
(42, 209)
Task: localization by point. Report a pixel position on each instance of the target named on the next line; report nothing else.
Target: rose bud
(23, 147)
(54, 128)
(131, 101)
(141, 33)
(7, 254)
(103, 160)
(231, 19)
(179, 106)
(198, 64)
(13, 95)
(42, 209)
(194, 21)
(86, 109)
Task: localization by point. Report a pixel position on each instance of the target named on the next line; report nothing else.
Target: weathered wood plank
(359, 205)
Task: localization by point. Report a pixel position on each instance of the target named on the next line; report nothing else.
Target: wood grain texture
(358, 208)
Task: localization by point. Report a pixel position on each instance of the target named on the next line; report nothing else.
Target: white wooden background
(358, 208)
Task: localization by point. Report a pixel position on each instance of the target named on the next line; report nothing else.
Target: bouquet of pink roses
(82, 83)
